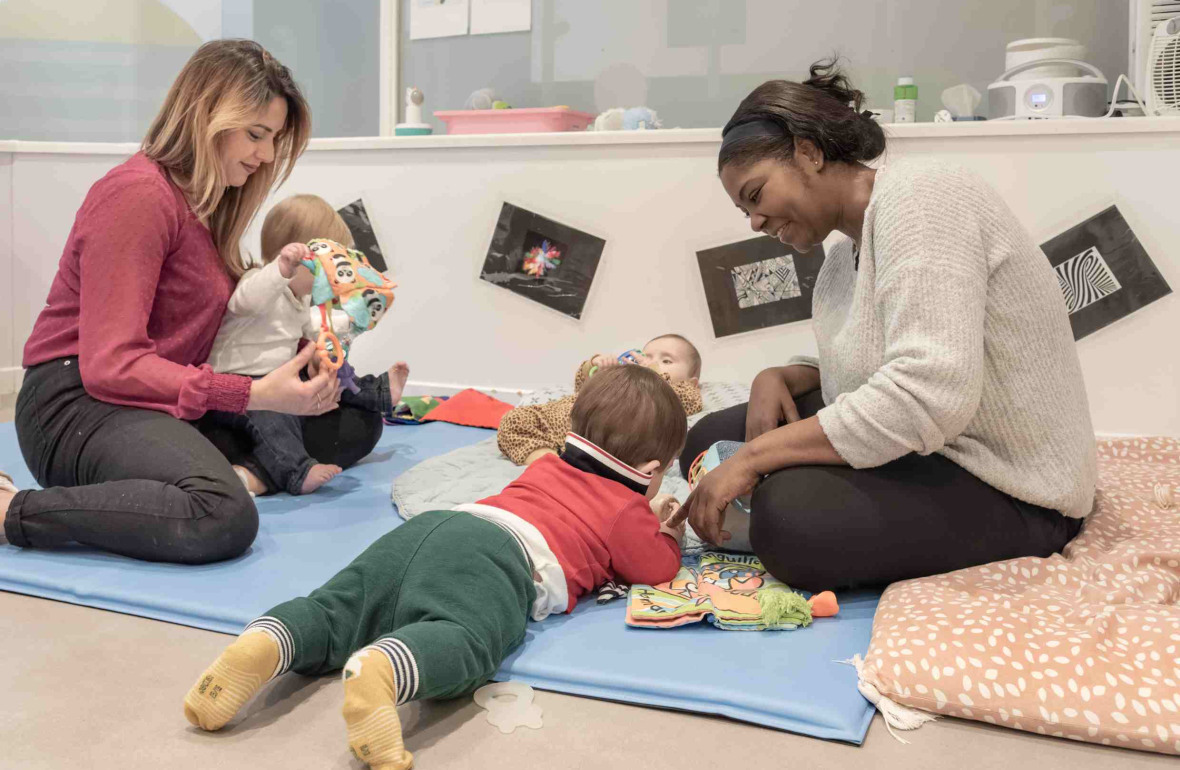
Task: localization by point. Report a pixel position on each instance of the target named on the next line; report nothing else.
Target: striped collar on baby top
(588, 457)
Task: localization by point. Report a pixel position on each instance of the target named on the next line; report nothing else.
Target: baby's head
(634, 415)
(674, 356)
(299, 219)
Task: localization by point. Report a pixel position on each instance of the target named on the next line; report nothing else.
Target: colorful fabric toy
(710, 459)
(411, 409)
(541, 259)
(732, 591)
(472, 408)
(344, 279)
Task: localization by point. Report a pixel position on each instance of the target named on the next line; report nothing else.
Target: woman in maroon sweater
(115, 364)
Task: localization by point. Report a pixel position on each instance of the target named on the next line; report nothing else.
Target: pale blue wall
(62, 90)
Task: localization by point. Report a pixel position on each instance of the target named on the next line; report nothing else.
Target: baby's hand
(663, 506)
(603, 362)
(291, 257)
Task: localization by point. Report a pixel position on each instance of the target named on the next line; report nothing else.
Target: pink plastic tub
(513, 121)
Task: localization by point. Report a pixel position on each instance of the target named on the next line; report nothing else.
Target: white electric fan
(1163, 70)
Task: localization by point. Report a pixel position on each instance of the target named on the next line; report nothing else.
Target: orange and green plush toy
(345, 280)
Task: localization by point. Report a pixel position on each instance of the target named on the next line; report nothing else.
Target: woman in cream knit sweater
(944, 423)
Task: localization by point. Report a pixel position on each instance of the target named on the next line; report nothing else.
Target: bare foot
(398, 374)
(5, 500)
(7, 492)
(319, 475)
(252, 482)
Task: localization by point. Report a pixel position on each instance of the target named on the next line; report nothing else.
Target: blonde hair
(298, 219)
(223, 87)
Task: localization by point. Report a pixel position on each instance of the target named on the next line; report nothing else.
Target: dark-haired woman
(944, 423)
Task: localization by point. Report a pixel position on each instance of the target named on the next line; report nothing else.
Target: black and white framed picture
(757, 283)
(363, 235)
(1104, 272)
(547, 261)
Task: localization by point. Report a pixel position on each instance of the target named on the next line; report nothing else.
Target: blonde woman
(114, 367)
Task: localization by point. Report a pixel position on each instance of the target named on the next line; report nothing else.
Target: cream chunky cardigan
(951, 336)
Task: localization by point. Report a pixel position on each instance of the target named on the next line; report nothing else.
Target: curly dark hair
(825, 109)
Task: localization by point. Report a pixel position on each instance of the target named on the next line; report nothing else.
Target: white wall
(435, 205)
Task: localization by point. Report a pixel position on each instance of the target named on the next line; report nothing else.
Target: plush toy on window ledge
(633, 119)
(344, 280)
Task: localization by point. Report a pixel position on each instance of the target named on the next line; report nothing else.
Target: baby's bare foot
(250, 481)
(7, 492)
(319, 475)
(398, 374)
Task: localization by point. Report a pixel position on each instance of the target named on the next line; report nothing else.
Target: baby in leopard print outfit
(529, 432)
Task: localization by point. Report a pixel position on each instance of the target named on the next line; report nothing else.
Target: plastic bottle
(905, 101)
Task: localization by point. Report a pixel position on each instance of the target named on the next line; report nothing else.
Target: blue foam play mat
(787, 680)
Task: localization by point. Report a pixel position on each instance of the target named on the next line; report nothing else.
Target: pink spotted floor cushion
(1084, 645)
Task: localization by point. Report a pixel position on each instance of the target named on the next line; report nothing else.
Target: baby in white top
(267, 316)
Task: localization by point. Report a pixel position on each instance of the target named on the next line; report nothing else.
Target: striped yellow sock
(370, 711)
(234, 677)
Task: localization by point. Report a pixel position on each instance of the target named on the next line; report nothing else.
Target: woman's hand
(291, 257)
(283, 391)
(705, 508)
(771, 403)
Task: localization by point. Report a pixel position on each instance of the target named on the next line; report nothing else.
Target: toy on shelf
(485, 99)
(413, 125)
(344, 280)
(632, 119)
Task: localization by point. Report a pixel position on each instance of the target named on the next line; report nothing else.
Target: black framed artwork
(542, 259)
(1104, 272)
(757, 283)
(357, 218)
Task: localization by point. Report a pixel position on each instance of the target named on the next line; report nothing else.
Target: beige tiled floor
(84, 688)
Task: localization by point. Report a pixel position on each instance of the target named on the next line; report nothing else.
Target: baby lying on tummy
(528, 433)
(432, 609)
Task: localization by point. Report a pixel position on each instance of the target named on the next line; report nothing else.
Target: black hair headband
(763, 128)
(753, 128)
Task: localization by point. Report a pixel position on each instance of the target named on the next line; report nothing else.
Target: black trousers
(834, 527)
(273, 445)
(135, 482)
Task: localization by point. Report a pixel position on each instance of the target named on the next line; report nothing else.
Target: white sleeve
(811, 361)
(341, 323)
(256, 291)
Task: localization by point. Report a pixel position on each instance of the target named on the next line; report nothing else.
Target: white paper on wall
(437, 18)
(491, 16)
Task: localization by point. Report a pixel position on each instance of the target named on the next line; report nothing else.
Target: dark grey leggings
(135, 482)
(832, 527)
